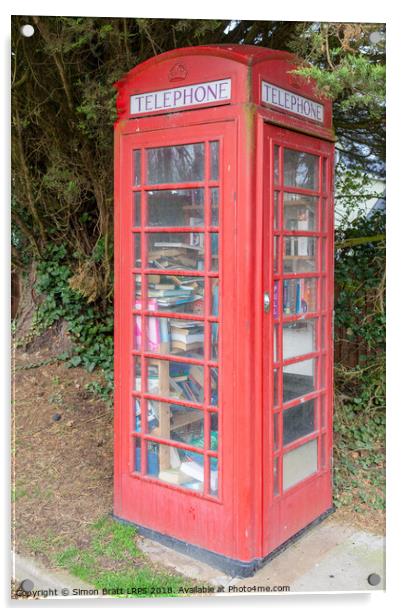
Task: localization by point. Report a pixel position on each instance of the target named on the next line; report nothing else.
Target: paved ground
(329, 557)
(34, 578)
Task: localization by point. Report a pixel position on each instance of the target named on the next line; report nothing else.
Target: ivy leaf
(75, 361)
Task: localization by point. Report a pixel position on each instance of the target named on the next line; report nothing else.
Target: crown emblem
(178, 72)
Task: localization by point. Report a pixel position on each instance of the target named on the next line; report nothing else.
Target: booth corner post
(223, 303)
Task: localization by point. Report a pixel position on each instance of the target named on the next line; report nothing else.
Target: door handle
(267, 301)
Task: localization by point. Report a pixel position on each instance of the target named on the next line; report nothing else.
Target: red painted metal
(245, 520)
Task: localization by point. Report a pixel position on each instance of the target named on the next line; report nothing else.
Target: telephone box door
(173, 438)
(297, 356)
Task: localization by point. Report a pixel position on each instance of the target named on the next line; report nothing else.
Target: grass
(111, 561)
(17, 492)
(42, 545)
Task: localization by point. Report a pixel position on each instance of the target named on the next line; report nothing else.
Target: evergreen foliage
(63, 108)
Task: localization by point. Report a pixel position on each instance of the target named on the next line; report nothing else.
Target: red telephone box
(224, 298)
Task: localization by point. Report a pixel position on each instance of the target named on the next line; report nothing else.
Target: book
(169, 292)
(175, 476)
(186, 336)
(153, 278)
(174, 458)
(177, 245)
(193, 485)
(178, 300)
(175, 387)
(186, 325)
(198, 375)
(185, 346)
(152, 338)
(162, 285)
(153, 416)
(193, 469)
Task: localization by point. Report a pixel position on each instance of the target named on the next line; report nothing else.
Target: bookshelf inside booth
(176, 193)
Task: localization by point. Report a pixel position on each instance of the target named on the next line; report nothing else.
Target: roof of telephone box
(245, 54)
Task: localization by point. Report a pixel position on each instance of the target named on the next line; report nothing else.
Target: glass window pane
(276, 209)
(136, 249)
(152, 459)
(137, 331)
(214, 206)
(276, 343)
(213, 476)
(299, 338)
(214, 384)
(136, 209)
(186, 337)
(324, 293)
(324, 334)
(153, 415)
(214, 296)
(298, 421)
(174, 164)
(276, 477)
(136, 405)
(276, 299)
(323, 214)
(176, 466)
(214, 252)
(299, 295)
(299, 464)
(323, 255)
(214, 422)
(276, 164)
(276, 431)
(182, 294)
(137, 167)
(276, 386)
(214, 341)
(300, 212)
(324, 175)
(323, 451)
(299, 254)
(176, 208)
(176, 251)
(276, 253)
(175, 336)
(214, 160)
(136, 373)
(323, 378)
(300, 169)
(175, 422)
(299, 379)
(136, 455)
(323, 412)
(175, 380)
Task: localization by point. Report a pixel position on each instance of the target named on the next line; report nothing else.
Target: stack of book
(173, 294)
(186, 336)
(190, 386)
(176, 255)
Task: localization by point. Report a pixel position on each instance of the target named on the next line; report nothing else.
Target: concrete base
(329, 557)
(230, 566)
